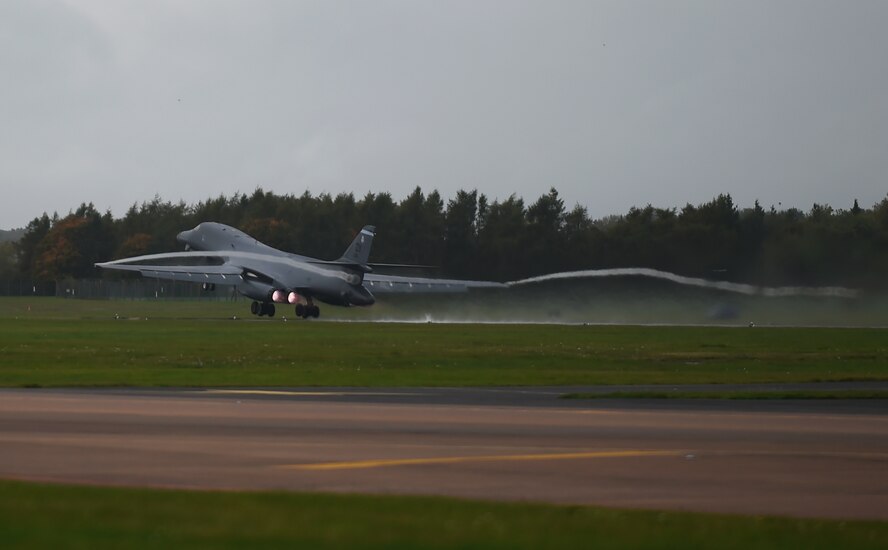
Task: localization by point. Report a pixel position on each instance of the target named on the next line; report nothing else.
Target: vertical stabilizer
(358, 251)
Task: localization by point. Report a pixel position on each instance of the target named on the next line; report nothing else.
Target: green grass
(744, 395)
(79, 343)
(52, 516)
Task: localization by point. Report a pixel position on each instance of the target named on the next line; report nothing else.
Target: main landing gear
(307, 310)
(262, 308)
(304, 311)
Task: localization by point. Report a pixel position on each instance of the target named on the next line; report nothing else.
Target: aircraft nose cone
(183, 236)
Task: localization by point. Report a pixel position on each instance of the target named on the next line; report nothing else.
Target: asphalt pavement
(819, 458)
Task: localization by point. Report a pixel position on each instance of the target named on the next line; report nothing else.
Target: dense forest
(470, 237)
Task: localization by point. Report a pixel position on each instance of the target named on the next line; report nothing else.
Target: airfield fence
(122, 289)
(27, 288)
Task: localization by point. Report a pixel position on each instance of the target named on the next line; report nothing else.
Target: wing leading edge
(219, 273)
(216, 274)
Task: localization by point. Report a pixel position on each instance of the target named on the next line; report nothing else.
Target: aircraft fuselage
(272, 275)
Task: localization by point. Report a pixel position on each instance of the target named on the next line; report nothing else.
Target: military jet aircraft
(216, 253)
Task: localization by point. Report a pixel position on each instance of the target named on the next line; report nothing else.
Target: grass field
(52, 516)
(57, 342)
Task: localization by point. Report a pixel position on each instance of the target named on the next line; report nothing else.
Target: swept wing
(229, 268)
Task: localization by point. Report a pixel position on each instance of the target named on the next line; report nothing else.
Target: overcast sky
(614, 103)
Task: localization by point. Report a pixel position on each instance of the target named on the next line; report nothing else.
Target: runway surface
(811, 458)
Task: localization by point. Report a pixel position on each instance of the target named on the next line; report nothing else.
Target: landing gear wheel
(314, 311)
(261, 309)
(300, 310)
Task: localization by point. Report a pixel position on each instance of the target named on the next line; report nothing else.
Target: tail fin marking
(358, 251)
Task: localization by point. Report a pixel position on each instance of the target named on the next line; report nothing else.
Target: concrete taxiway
(813, 458)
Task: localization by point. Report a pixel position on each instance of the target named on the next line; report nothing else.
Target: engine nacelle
(293, 298)
(256, 290)
(279, 296)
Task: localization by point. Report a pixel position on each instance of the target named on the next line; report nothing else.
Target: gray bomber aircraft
(219, 254)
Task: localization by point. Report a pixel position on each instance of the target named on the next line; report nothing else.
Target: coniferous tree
(501, 241)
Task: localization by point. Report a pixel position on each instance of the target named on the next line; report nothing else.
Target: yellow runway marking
(301, 393)
(383, 463)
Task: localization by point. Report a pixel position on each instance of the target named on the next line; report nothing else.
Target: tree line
(468, 236)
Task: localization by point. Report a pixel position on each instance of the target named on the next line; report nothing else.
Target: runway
(813, 459)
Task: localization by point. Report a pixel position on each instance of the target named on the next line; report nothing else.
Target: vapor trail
(751, 290)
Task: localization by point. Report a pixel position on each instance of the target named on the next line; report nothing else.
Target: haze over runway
(819, 459)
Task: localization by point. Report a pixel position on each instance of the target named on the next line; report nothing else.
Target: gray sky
(614, 103)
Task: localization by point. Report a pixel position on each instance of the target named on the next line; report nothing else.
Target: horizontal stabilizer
(342, 263)
(367, 268)
(391, 284)
(404, 266)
